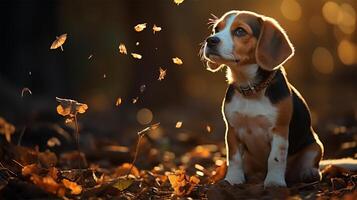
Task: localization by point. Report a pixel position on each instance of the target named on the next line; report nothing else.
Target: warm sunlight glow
(291, 9)
(347, 52)
(322, 60)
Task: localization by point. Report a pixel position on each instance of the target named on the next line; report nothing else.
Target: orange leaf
(59, 41)
(124, 170)
(73, 186)
(140, 27)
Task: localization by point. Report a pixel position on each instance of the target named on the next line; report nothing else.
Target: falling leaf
(90, 56)
(142, 88)
(69, 108)
(177, 61)
(118, 102)
(178, 2)
(122, 49)
(25, 90)
(137, 56)
(6, 129)
(53, 141)
(208, 128)
(123, 184)
(156, 28)
(104, 76)
(73, 186)
(182, 183)
(140, 27)
(134, 100)
(178, 124)
(152, 127)
(162, 74)
(137, 43)
(59, 41)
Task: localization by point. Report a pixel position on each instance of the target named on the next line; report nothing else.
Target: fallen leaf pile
(181, 183)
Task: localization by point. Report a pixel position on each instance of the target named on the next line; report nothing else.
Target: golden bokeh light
(144, 116)
(322, 60)
(343, 16)
(330, 11)
(347, 52)
(291, 10)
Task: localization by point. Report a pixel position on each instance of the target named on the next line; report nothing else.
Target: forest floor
(189, 170)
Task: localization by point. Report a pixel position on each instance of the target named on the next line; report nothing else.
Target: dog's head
(240, 38)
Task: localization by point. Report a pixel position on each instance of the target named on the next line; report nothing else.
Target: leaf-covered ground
(191, 172)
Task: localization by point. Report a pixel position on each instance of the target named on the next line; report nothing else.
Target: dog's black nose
(212, 41)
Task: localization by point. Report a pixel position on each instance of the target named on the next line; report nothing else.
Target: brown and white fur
(269, 133)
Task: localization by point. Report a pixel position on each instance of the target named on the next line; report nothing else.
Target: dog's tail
(347, 163)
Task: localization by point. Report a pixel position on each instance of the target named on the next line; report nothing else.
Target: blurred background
(91, 70)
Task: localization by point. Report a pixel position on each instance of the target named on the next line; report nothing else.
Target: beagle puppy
(268, 124)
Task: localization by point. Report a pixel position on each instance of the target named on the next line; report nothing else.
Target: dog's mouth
(215, 57)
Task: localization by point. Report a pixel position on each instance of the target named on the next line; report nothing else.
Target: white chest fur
(252, 120)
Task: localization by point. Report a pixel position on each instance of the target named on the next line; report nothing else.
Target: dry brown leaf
(73, 186)
(53, 141)
(123, 170)
(137, 56)
(59, 41)
(140, 27)
(30, 169)
(123, 184)
(177, 61)
(6, 129)
(208, 128)
(182, 183)
(178, 2)
(118, 101)
(122, 49)
(25, 90)
(134, 100)
(70, 108)
(162, 74)
(178, 124)
(156, 28)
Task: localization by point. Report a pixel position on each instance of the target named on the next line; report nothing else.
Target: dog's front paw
(235, 177)
(274, 180)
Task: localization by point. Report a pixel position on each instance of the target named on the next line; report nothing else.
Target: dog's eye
(240, 32)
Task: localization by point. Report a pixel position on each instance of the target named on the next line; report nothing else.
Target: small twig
(21, 135)
(77, 141)
(135, 156)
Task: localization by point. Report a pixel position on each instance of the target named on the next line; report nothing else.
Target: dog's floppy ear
(274, 47)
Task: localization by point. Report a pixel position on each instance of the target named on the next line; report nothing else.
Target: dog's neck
(249, 76)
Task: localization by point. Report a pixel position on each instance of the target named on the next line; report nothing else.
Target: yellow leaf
(123, 184)
(118, 102)
(59, 41)
(156, 28)
(140, 27)
(178, 2)
(73, 186)
(122, 49)
(208, 128)
(162, 74)
(178, 124)
(137, 56)
(177, 61)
